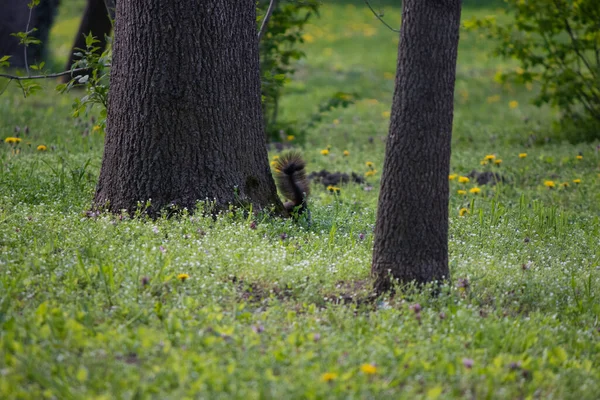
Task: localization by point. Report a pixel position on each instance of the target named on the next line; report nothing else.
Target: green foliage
(94, 77)
(279, 51)
(557, 43)
(25, 38)
(4, 61)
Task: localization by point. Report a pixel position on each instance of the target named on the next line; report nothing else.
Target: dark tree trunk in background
(184, 115)
(14, 15)
(411, 236)
(96, 20)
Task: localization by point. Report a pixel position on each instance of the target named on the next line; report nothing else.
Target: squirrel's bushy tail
(291, 179)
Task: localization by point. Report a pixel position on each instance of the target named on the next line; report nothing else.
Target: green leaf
(434, 392)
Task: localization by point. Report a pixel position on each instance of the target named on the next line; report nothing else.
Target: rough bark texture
(95, 20)
(14, 15)
(411, 235)
(184, 118)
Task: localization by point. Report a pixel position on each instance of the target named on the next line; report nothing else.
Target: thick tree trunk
(96, 20)
(184, 119)
(411, 236)
(14, 16)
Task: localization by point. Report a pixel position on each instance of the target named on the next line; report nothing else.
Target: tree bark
(96, 20)
(184, 117)
(411, 235)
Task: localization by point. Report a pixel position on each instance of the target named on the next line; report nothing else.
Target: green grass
(93, 307)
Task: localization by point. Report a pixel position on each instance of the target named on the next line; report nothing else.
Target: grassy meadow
(118, 307)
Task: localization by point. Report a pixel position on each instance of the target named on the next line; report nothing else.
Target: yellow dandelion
(493, 99)
(513, 104)
(182, 277)
(273, 163)
(325, 152)
(522, 155)
(463, 179)
(369, 31)
(577, 181)
(579, 157)
(12, 140)
(336, 121)
(333, 189)
(329, 376)
(291, 137)
(96, 128)
(275, 158)
(346, 153)
(549, 184)
(385, 114)
(489, 157)
(498, 161)
(452, 176)
(463, 211)
(308, 38)
(461, 192)
(371, 172)
(565, 184)
(483, 162)
(475, 190)
(368, 369)
(41, 147)
(369, 164)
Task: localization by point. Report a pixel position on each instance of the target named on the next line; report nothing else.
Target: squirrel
(292, 181)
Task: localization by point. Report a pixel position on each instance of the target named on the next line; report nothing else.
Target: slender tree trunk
(184, 117)
(95, 20)
(411, 236)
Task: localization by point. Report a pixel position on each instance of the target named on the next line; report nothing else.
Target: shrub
(557, 42)
(278, 50)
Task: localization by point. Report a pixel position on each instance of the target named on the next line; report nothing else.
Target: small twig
(25, 44)
(379, 17)
(22, 89)
(565, 67)
(110, 9)
(22, 78)
(266, 19)
(575, 42)
(597, 52)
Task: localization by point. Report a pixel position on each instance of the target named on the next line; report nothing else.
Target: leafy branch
(45, 76)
